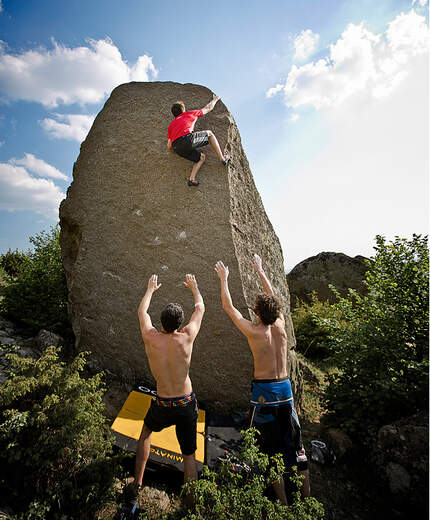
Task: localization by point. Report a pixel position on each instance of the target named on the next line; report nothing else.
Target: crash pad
(164, 445)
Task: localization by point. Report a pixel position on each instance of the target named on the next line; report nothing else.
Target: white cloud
(20, 191)
(305, 44)
(360, 63)
(75, 127)
(39, 167)
(422, 3)
(294, 118)
(64, 75)
(370, 177)
(274, 90)
(358, 166)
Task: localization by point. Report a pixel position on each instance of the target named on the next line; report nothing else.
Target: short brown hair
(178, 108)
(171, 317)
(267, 307)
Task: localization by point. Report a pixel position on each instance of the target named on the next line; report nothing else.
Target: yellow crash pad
(164, 444)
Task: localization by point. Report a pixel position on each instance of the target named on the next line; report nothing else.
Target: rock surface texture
(12, 342)
(129, 214)
(317, 272)
(401, 458)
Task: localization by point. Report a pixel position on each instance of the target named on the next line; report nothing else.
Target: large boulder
(129, 214)
(316, 273)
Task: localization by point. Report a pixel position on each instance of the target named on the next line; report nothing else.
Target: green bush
(224, 494)
(312, 335)
(37, 297)
(381, 341)
(54, 441)
(4, 278)
(13, 262)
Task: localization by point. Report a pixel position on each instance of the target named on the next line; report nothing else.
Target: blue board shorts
(275, 417)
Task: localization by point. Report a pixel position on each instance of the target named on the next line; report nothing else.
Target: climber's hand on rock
(153, 284)
(190, 282)
(257, 263)
(221, 270)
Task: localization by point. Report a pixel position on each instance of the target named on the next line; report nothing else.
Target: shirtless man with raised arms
(169, 355)
(272, 404)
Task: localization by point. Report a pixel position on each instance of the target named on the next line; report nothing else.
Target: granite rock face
(129, 214)
(317, 272)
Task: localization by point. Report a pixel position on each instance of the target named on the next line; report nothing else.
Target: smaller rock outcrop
(45, 339)
(318, 272)
(401, 459)
(12, 342)
(157, 503)
(339, 442)
(9, 334)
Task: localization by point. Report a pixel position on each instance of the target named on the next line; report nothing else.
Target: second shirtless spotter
(272, 405)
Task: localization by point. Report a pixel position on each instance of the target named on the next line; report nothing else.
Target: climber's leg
(197, 166)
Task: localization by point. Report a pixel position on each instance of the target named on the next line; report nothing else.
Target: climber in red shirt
(182, 140)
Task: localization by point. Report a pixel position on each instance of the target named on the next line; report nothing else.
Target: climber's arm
(169, 145)
(210, 105)
(146, 327)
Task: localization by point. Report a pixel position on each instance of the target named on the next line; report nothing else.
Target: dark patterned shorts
(183, 415)
(186, 145)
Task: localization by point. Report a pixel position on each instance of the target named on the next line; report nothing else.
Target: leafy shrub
(381, 341)
(4, 278)
(225, 493)
(54, 439)
(37, 296)
(13, 262)
(312, 335)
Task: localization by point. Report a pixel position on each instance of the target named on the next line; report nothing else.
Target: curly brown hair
(267, 307)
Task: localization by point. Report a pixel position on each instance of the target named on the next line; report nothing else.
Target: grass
(311, 408)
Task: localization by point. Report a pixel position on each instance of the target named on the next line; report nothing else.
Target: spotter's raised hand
(153, 284)
(221, 270)
(190, 282)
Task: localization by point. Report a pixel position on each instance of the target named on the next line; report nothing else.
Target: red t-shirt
(183, 124)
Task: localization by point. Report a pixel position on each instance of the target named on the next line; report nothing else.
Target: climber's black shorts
(179, 411)
(186, 145)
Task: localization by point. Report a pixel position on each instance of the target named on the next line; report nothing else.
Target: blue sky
(331, 99)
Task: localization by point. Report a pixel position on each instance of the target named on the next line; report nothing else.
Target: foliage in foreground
(4, 278)
(226, 493)
(381, 341)
(312, 335)
(54, 442)
(36, 296)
